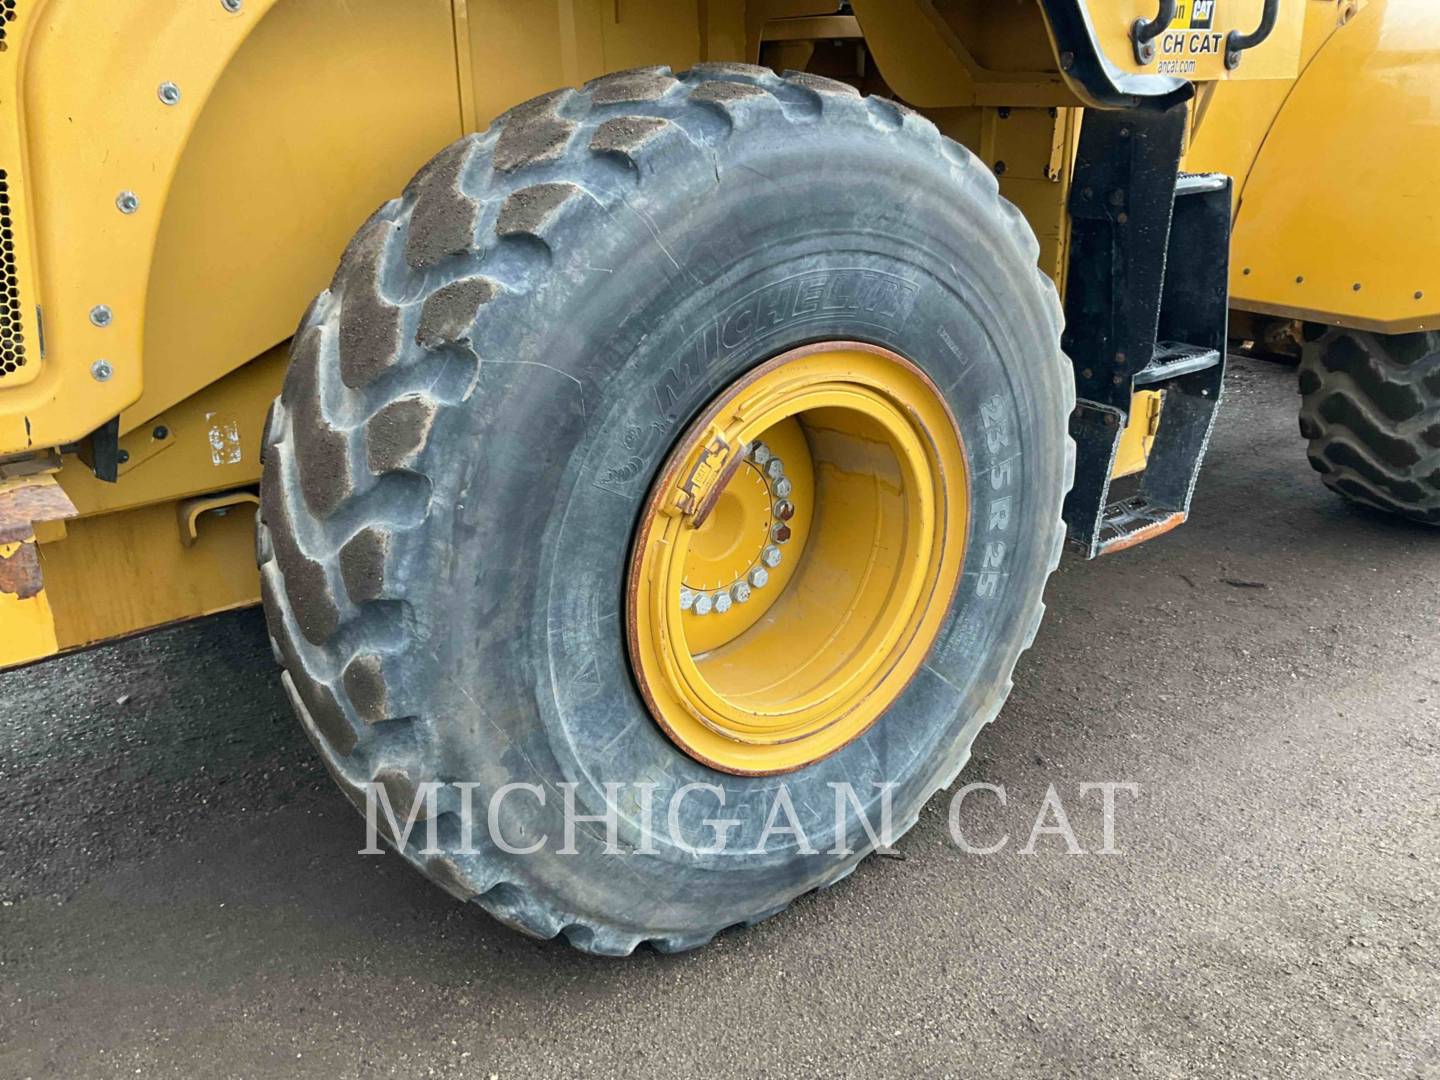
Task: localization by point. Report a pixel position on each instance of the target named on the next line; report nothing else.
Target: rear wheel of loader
(678, 442)
(1371, 410)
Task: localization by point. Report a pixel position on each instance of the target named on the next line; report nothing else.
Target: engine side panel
(1338, 220)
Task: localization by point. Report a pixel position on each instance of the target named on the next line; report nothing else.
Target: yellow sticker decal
(1190, 37)
(1194, 15)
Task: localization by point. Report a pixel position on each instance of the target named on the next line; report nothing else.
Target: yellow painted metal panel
(325, 112)
(1136, 441)
(27, 627)
(93, 125)
(515, 53)
(248, 182)
(208, 442)
(128, 571)
(636, 32)
(1233, 119)
(1338, 221)
(1194, 45)
(520, 51)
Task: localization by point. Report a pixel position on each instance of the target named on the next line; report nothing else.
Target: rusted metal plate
(26, 501)
(20, 571)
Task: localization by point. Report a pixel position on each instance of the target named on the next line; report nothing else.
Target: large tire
(477, 405)
(1371, 410)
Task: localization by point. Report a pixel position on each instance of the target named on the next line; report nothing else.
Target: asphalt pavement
(182, 894)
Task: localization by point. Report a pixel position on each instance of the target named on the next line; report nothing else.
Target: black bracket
(1144, 32)
(101, 451)
(1236, 43)
(1145, 307)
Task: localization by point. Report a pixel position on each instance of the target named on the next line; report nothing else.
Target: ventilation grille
(12, 339)
(7, 15)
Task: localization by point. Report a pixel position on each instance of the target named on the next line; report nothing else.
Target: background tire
(478, 404)
(1371, 410)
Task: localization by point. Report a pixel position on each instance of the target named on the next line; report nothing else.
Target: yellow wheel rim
(797, 557)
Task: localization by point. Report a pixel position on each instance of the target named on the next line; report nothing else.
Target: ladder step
(1133, 521)
(1199, 183)
(1173, 359)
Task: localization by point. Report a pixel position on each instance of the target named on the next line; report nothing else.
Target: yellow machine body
(177, 181)
(1337, 219)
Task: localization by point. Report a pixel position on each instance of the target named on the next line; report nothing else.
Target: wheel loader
(643, 405)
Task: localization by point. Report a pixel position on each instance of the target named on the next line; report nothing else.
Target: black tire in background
(478, 404)
(1371, 410)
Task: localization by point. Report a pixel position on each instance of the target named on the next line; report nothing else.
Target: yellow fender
(1337, 220)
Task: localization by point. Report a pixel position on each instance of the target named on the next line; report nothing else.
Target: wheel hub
(797, 556)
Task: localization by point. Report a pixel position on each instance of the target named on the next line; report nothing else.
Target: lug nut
(760, 453)
(740, 592)
(783, 487)
(780, 533)
(784, 509)
(703, 603)
(771, 557)
(687, 599)
(758, 577)
(776, 468)
(722, 603)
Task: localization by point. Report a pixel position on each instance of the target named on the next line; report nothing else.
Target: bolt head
(771, 556)
(784, 509)
(760, 453)
(780, 533)
(123, 456)
(722, 603)
(703, 603)
(687, 599)
(101, 315)
(160, 432)
(231, 6)
(740, 592)
(101, 371)
(783, 487)
(168, 92)
(127, 202)
(758, 577)
(775, 468)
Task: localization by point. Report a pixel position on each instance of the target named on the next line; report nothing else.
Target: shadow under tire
(479, 404)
